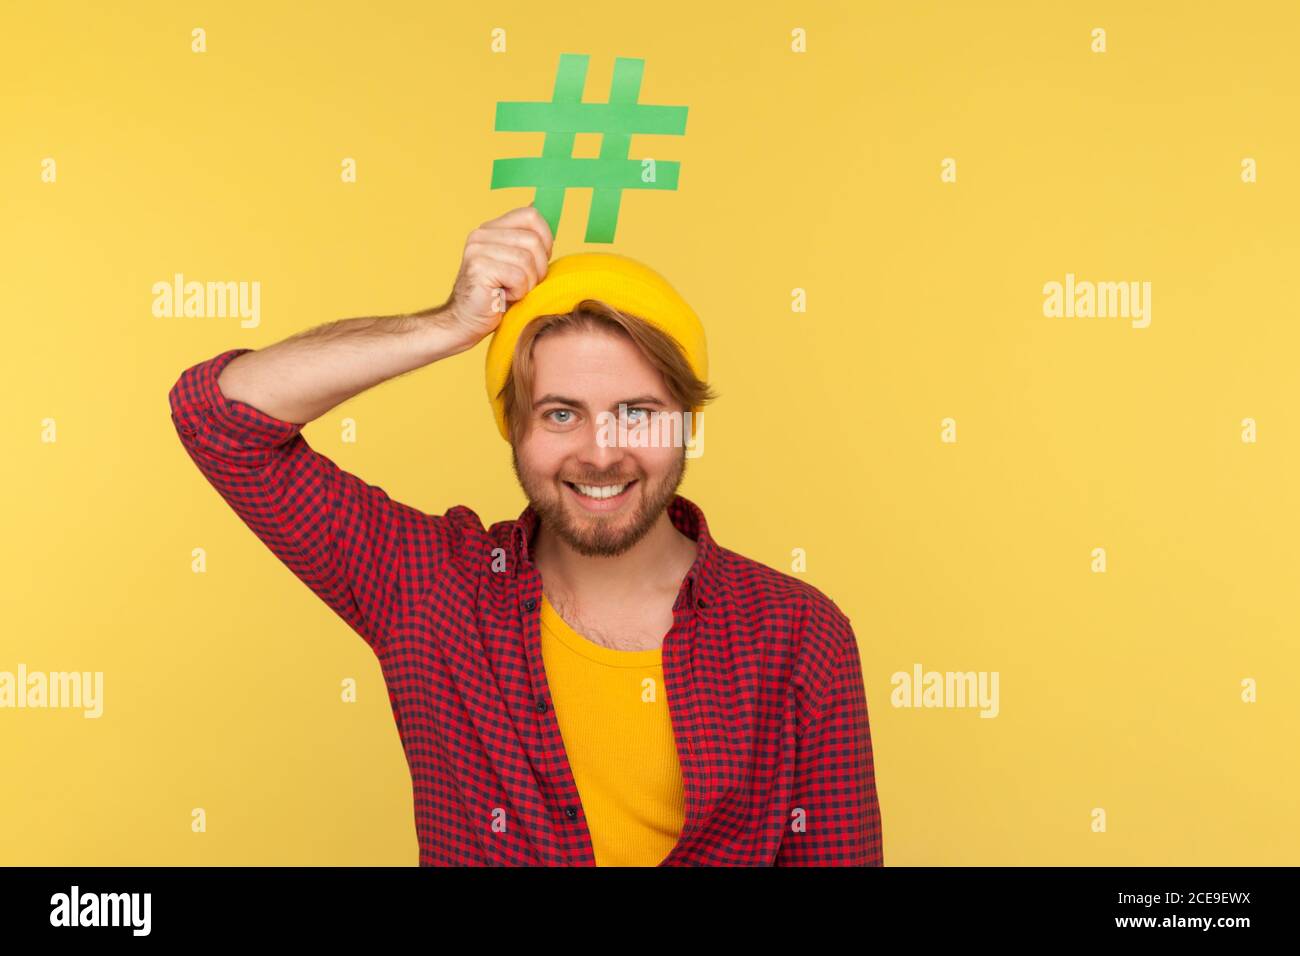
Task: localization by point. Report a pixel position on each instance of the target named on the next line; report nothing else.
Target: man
(597, 682)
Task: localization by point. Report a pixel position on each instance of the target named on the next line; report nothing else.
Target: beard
(598, 535)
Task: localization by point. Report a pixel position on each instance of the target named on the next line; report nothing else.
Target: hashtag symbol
(557, 169)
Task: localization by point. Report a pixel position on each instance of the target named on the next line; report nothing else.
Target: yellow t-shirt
(612, 709)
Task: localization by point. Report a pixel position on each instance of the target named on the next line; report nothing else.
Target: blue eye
(561, 411)
(645, 410)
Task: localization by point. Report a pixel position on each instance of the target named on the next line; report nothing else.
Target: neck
(656, 563)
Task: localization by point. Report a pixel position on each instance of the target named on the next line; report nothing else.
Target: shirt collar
(706, 585)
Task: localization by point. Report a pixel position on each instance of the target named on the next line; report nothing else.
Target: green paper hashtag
(566, 115)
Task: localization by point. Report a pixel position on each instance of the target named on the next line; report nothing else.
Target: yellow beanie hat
(616, 280)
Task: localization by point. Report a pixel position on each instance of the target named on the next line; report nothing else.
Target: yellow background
(817, 171)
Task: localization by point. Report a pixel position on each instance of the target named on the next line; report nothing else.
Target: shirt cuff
(235, 417)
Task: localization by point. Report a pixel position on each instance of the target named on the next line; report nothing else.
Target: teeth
(601, 491)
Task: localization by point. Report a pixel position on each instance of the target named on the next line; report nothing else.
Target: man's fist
(504, 258)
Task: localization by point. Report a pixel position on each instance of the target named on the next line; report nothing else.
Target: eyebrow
(576, 403)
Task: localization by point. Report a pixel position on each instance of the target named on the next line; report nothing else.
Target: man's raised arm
(240, 414)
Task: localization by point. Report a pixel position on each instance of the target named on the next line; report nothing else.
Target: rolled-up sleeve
(835, 781)
(361, 552)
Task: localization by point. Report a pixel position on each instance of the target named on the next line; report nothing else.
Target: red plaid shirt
(761, 670)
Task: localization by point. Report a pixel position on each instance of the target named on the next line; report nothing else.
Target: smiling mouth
(601, 492)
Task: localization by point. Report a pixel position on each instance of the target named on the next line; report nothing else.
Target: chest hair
(618, 635)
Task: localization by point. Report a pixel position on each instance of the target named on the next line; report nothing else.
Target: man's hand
(306, 375)
(504, 258)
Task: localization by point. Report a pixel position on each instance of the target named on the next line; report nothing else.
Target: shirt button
(571, 812)
(701, 603)
(529, 604)
(541, 705)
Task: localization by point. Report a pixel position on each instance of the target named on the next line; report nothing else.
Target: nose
(597, 453)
